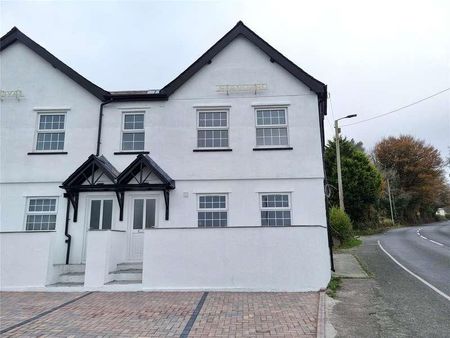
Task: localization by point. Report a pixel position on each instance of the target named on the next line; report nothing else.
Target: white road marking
(414, 275)
(436, 242)
(418, 234)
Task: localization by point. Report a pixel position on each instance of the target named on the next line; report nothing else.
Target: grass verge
(350, 243)
(333, 286)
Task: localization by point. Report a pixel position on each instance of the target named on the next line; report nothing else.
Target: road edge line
(432, 287)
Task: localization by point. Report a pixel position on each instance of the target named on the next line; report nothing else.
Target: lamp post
(338, 160)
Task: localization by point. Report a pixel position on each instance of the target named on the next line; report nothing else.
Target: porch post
(166, 200)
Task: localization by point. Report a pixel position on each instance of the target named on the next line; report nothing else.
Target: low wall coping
(26, 231)
(242, 227)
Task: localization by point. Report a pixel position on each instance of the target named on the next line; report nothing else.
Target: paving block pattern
(161, 314)
(116, 314)
(16, 307)
(259, 314)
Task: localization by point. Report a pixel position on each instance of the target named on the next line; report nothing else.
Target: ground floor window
(212, 210)
(275, 209)
(41, 213)
(101, 214)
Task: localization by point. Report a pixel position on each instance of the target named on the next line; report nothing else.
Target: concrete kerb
(321, 315)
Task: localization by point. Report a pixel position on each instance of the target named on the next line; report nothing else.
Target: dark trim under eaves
(162, 95)
(274, 56)
(16, 35)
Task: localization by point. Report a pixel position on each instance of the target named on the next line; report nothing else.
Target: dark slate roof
(238, 30)
(129, 172)
(16, 35)
(275, 56)
(100, 162)
(108, 166)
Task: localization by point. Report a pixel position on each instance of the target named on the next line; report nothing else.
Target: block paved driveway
(158, 314)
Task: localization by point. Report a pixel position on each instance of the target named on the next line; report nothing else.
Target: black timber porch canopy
(87, 178)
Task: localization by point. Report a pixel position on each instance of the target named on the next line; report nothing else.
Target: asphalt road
(406, 307)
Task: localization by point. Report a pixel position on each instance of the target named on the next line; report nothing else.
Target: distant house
(215, 181)
(443, 211)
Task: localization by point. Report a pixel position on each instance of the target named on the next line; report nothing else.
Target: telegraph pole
(390, 201)
(338, 160)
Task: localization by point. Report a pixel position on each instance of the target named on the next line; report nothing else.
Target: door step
(124, 282)
(127, 273)
(127, 266)
(72, 277)
(69, 274)
(65, 285)
(63, 268)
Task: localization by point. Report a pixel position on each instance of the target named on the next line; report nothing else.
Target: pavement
(396, 303)
(347, 266)
(158, 314)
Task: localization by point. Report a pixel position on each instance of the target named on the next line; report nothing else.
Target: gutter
(123, 97)
(100, 120)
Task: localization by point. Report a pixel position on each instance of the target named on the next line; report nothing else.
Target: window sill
(48, 153)
(211, 150)
(131, 152)
(273, 148)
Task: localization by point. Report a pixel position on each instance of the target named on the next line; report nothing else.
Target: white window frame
(288, 208)
(131, 131)
(213, 209)
(53, 131)
(144, 211)
(102, 200)
(28, 212)
(271, 126)
(212, 110)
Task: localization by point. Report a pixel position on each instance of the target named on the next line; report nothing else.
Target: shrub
(341, 225)
(387, 223)
(440, 218)
(447, 216)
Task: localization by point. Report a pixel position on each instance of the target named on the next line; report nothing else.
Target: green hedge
(341, 225)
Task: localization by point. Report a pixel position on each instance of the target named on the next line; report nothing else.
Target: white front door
(143, 215)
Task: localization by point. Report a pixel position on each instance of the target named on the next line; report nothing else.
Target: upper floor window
(212, 211)
(271, 127)
(212, 129)
(133, 133)
(41, 213)
(50, 132)
(275, 209)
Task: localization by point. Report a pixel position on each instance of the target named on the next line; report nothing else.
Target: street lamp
(338, 160)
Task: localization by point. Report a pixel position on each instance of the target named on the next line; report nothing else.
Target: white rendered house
(213, 182)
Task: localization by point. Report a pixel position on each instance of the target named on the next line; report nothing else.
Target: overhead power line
(331, 107)
(398, 109)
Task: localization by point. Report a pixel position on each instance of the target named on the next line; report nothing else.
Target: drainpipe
(322, 101)
(66, 231)
(100, 119)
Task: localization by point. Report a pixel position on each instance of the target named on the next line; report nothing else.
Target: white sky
(374, 56)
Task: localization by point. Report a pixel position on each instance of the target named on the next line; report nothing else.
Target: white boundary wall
(25, 259)
(105, 249)
(240, 258)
